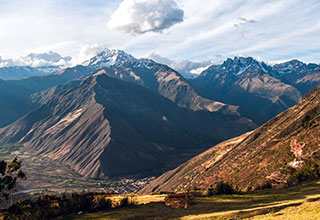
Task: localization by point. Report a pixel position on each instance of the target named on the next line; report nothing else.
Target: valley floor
(46, 175)
(300, 202)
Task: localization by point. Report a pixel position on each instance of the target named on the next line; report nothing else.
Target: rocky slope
(16, 95)
(104, 127)
(267, 154)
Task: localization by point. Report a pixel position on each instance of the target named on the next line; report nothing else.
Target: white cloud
(141, 16)
(185, 67)
(36, 60)
(284, 29)
(86, 52)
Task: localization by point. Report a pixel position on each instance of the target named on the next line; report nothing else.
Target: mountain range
(261, 91)
(95, 116)
(96, 124)
(97, 120)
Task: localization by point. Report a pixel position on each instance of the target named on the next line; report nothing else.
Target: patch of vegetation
(51, 206)
(10, 173)
(8, 148)
(179, 200)
(308, 172)
(127, 201)
(221, 188)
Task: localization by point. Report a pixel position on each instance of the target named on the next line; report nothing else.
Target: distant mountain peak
(109, 58)
(295, 67)
(117, 58)
(239, 65)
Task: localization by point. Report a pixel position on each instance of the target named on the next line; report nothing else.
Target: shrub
(221, 188)
(179, 200)
(224, 188)
(266, 185)
(308, 172)
(124, 201)
(101, 203)
(127, 201)
(210, 191)
(51, 206)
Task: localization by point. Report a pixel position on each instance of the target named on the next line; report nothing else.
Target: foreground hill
(286, 142)
(104, 127)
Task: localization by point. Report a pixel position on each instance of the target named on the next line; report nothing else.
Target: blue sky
(178, 29)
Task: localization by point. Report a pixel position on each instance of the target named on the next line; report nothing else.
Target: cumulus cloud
(87, 51)
(141, 16)
(36, 60)
(187, 68)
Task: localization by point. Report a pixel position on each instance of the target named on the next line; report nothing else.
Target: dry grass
(265, 204)
(306, 211)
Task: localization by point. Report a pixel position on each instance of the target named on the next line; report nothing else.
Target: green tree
(9, 175)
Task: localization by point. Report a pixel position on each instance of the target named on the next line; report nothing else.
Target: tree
(9, 175)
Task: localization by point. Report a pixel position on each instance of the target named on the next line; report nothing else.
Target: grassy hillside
(300, 202)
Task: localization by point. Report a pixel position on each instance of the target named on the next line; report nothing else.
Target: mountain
(109, 58)
(298, 74)
(16, 100)
(104, 127)
(157, 77)
(254, 86)
(20, 72)
(251, 160)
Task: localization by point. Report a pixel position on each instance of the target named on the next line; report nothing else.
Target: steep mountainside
(157, 77)
(249, 161)
(260, 90)
(15, 100)
(104, 127)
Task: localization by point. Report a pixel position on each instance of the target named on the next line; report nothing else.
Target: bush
(266, 185)
(179, 200)
(308, 172)
(52, 206)
(127, 201)
(210, 191)
(224, 188)
(101, 203)
(221, 188)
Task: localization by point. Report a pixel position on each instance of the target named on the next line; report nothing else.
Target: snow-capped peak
(110, 58)
(295, 66)
(239, 65)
